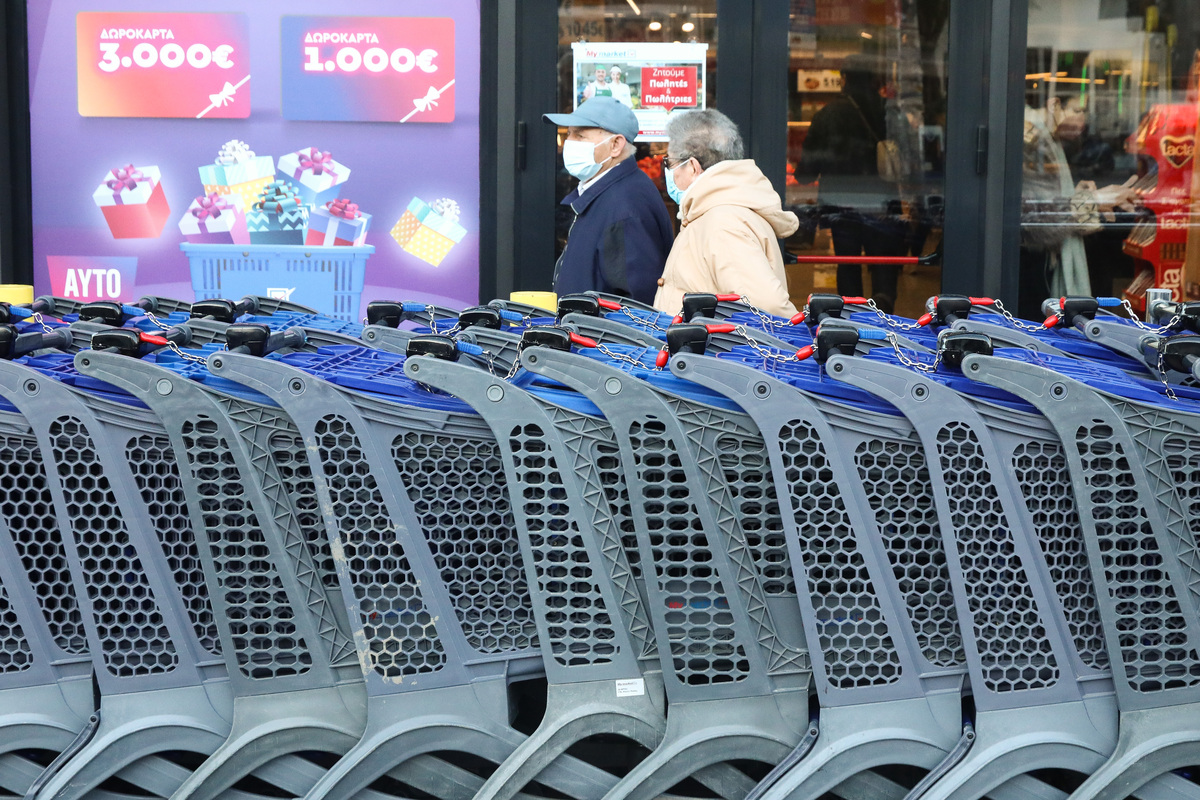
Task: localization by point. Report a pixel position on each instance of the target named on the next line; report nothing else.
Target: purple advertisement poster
(233, 148)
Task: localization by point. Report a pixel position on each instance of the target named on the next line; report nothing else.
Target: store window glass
(653, 56)
(1108, 150)
(866, 129)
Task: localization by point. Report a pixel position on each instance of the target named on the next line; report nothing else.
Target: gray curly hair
(706, 135)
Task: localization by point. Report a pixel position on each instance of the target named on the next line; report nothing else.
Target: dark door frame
(16, 189)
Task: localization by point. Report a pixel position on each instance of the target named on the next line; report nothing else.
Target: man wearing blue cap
(621, 234)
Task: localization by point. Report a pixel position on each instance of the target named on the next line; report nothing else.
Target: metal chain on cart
(912, 363)
(40, 320)
(1162, 377)
(1159, 329)
(645, 322)
(1016, 322)
(891, 321)
(155, 321)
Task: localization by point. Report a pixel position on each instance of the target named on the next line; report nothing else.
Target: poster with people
(651, 78)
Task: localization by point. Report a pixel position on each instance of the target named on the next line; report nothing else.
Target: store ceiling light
(688, 26)
(655, 25)
(634, 6)
(866, 35)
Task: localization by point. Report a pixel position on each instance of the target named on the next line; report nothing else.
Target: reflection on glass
(865, 134)
(1110, 122)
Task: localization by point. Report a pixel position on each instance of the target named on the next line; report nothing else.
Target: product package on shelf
(238, 173)
(133, 202)
(278, 216)
(315, 173)
(214, 219)
(338, 223)
(429, 230)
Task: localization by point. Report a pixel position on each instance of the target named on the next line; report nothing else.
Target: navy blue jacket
(620, 238)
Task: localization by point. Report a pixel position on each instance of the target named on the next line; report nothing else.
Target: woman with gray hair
(731, 218)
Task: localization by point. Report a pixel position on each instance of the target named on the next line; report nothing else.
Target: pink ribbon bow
(319, 162)
(126, 177)
(210, 206)
(343, 208)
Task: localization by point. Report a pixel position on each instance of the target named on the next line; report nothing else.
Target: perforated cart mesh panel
(578, 623)
(459, 492)
(596, 463)
(753, 561)
(1183, 460)
(15, 655)
(263, 431)
(152, 462)
(135, 638)
(1041, 470)
(1152, 628)
(400, 631)
(1014, 650)
(748, 472)
(33, 525)
(288, 453)
(260, 616)
(857, 647)
(616, 492)
(705, 646)
(896, 481)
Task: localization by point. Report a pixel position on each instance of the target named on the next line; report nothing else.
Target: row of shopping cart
(253, 552)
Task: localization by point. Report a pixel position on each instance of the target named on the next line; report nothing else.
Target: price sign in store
(370, 69)
(135, 64)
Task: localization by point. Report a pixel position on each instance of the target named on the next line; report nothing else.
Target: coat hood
(738, 183)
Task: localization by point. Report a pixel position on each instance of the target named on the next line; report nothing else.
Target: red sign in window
(669, 87)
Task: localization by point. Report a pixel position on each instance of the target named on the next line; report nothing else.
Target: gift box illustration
(337, 223)
(215, 219)
(278, 216)
(429, 230)
(133, 203)
(238, 173)
(315, 174)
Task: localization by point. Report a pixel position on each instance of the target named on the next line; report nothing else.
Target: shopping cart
(292, 667)
(437, 470)
(45, 673)
(721, 599)
(150, 628)
(860, 524)
(1039, 676)
(601, 659)
(1131, 456)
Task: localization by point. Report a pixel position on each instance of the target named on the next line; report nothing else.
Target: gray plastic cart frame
(737, 681)
(878, 612)
(1133, 471)
(431, 685)
(1043, 693)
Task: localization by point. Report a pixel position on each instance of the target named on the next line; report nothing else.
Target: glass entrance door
(867, 105)
(1108, 181)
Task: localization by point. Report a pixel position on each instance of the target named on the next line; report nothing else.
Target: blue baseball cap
(606, 113)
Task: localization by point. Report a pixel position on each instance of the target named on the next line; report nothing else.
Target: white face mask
(580, 158)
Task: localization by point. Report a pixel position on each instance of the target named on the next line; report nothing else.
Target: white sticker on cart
(632, 687)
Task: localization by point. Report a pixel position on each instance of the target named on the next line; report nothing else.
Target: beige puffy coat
(728, 244)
